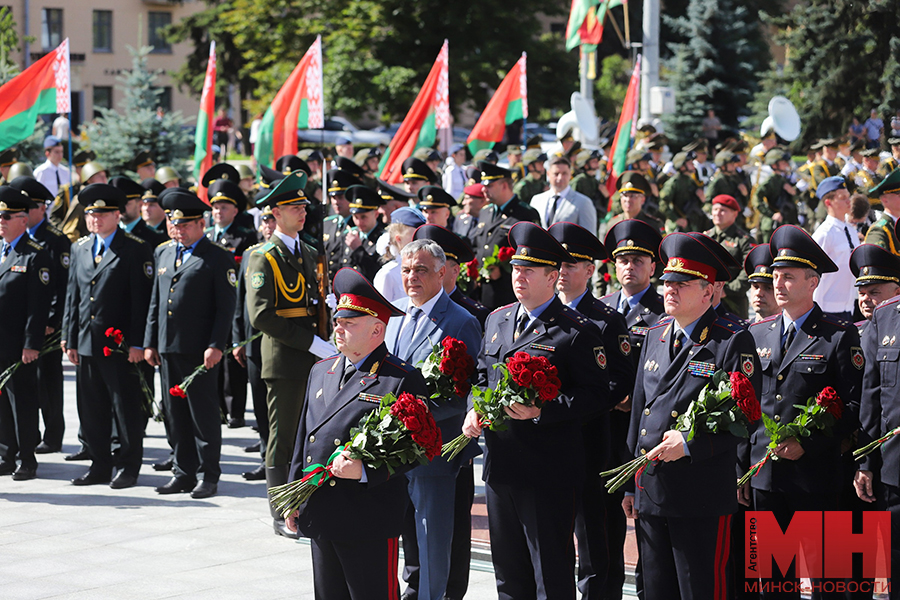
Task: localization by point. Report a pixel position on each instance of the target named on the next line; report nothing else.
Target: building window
(103, 98)
(157, 22)
(102, 31)
(51, 28)
(164, 100)
(558, 28)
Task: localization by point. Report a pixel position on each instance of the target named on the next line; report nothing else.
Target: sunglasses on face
(7, 216)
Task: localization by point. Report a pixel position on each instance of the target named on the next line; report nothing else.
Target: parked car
(545, 132)
(336, 126)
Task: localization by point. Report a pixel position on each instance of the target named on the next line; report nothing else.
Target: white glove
(321, 348)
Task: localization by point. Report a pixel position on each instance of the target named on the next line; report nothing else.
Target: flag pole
(627, 26)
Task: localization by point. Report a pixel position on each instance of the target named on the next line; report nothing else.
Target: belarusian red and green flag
(626, 131)
(203, 155)
(508, 105)
(299, 104)
(429, 113)
(43, 88)
(585, 26)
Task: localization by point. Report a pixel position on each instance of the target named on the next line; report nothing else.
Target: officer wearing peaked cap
(686, 496)
(436, 204)
(633, 190)
(416, 174)
(283, 302)
(228, 202)
(130, 219)
(758, 267)
(151, 212)
(494, 223)
(359, 243)
(8, 158)
(883, 231)
(144, 165)
(527, 517)
(802, 351)
(110, 279)
(188, 323)
(877, 273)
(732, 269)
(25, 295)
(590, 524)
(353, 526)
(336, 226)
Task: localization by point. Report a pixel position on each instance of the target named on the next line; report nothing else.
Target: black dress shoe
(91, 478)
(176, 485)
(123, 480)
(252, 448)
(257, 474)
(80, 455)
(7, 467)
(25, 473)
(204, 489)
(43, 448)
(281, 529)
(236, 423)
(165, 465)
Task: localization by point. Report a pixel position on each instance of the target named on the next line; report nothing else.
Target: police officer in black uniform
(732, 268)
(353, 526)
(685, 498)
(50, 375)
(573, 286)
(360, 250)
(191, 309)
(150, 208)
(494, 223)
(416, 173)
(758, 267)
(802, 351)
(26, 294)
(109, 287)
(131, 220)
(531, 522)
(436, 205)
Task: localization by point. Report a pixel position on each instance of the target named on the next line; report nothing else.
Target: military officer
(360, 243)
(877, 273)
(354, 521)
(494, 223)
(25, 298)
(227, 202)
(738, 243)
(283, 302)
(685, 498)
(590, 526)
(393, 197)
(416, 174)
(633, 190)
(109, 287)
(681, 199)
(8, 158)
(168, 176)
(436, 205)
(151, 212)
(587, 183)
(883, 231)
(802, 350)
(531, 523)
(144, 165)
(758, 267)
(534, 181)
(189, 319)
(774, 198)
(49, 366)
(131, 220)
(729, 182)
(72, 222)
(315, 212)
(514, 158)
(338, 224)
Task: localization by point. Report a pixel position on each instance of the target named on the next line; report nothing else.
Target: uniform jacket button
(674, 414)
(337, 442)
(643, 451)
(780, 377)
(777, 417)
(643, 432)
(646, 411)
(312, 439)
(308, 459)
(332, 483)
(778, 396)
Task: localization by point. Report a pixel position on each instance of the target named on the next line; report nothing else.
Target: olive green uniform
(587, 184)
(738, 243)
(770, 198)
(528, 188)
(881, 233)
(678, 199)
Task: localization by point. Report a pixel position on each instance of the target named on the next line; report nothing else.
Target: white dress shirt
(571, 206)
(52, 176)
(836, 292)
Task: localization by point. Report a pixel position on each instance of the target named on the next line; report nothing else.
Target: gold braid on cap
(218, 197)
(537, 260)
(809, 263)
(346, 302)
(878, 278)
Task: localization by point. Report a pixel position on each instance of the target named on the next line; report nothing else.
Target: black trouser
(362, 569)
(108, 391)
(19, 414)
(50, 397)
(195, 425)
(890, 500)
(233, 379)
(590, 515)
(260, 408)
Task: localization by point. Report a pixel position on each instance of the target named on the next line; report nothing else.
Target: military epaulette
(503, 308)
(264, 247)
(131, 236)
(603, 307)
(663, 321)
(166, 242)
(333, 217)
(255, 246)
(859, 324)
(574, 315)
(328, 359)
(609, 295)
(83, 241)
(35, 245)
(832, 320)
(766, 320)
(728, 325)
(54, 230)
(889, 301)
(399, 363)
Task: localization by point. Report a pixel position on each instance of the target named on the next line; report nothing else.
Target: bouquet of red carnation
(51, 344)
(526, 379)
(401, 431)
(727, 404)
(468, 275)
(500, 258)
(820, 412)
(447, 369)
(180, 390)
(151, 408)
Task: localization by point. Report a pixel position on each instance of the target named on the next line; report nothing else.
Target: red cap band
(364, 305)
(690, 267)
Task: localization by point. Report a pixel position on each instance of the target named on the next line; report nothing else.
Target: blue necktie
(406, 336)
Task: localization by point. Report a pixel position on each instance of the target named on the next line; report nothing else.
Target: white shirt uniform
(52, 176)
(836, 292)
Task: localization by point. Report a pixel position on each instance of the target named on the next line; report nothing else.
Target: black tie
(551, 212)
(58, 182)
(179, 254)
(521, 324)
(624, 305)
(349, 370)
(788, 338)
(99, 256)
(297, 249)
(847, 233)
(677, 341)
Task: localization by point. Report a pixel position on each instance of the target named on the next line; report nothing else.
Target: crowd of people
(320, 288)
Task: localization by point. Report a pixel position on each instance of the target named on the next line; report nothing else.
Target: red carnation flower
(118, 336)
(829, 399)
(505, 253)
(745, 397)
(107, 351)
(110, 331)
(607, 277)
(472, 268)
(177, 392)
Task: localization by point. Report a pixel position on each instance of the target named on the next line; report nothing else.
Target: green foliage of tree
(611, 86)
(9, 41)
(377, 53)
(116, 137)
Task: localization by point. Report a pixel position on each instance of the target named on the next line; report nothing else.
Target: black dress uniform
(26, 293)
(336, 227)
(191, 309)
(152, 190)
(824, 352)
(109, 287)
(686, 505)
(494, 224)
(353, 526)
(50, 375)
(590, 521)
(531, 522)
(365, 257)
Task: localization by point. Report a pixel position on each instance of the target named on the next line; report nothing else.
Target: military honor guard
(685, 498)
(883, 231)
(283, 302)
(353, 522)
(110, 279)
(430, 317)
(802, 350)
(531, 519)
(774, 197)
(681, 199)
(758, 267)
(590, 524)
(26, 294)
(188, 323)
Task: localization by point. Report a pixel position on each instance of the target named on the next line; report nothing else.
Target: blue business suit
(432, 487)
